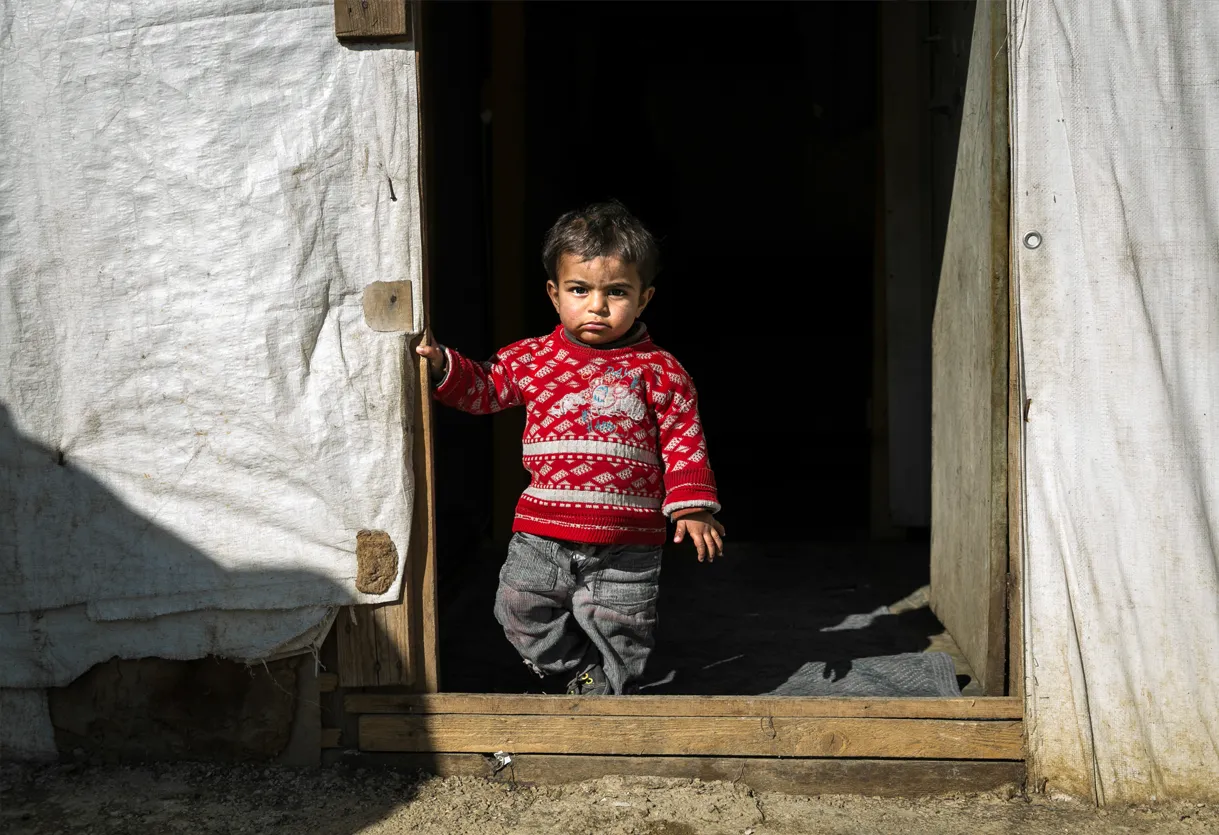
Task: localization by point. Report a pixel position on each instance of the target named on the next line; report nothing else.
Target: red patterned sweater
(613, 440)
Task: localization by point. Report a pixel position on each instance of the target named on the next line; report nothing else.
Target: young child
(613, 443)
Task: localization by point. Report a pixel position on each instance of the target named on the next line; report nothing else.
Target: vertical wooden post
(1015, 415)
(1015, 503)
(396, 643)
(423, 542)
(971, 342)
(507, 240)
(423, 537)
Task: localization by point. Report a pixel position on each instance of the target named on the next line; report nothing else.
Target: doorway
(799, 180)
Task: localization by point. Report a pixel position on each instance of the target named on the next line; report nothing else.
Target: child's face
(597, 300)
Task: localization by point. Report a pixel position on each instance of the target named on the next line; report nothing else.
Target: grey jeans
(564, 603)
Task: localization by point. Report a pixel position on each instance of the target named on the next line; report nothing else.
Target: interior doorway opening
(796, 162)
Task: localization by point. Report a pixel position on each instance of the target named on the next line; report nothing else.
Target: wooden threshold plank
(869, 777)
(780, 736)
(490, 703)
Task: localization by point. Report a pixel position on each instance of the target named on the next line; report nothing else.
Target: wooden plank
(760, 706)
(869, 777)
(999, 208)
(389, 306)
(970, 376)
(423, 539)
(332, 738)
(371, 19)
(386, 644)
(1015, 448)
(394, 643)
(781, 736)
(327, 682)
(423, 536)
(1015, 495)
(374, 642)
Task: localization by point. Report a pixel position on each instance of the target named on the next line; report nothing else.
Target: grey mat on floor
(908, 674)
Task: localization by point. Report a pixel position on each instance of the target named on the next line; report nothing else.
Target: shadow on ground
(122, 704)
(740, 626)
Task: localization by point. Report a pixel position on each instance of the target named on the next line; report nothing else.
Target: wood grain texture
(371, 19)
(332, 738)
(327, 682)
(374, 643)
(389, 306)
(1015, 496)
(761, 706)
(698, 736)
(423, 454)
(970, 375)
(423, 538)
(869, 777)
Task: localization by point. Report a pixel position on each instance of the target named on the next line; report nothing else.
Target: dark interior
(747, 137)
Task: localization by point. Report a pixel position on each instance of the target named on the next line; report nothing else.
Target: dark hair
(602, 230)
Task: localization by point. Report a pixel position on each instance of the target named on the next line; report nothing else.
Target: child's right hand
(705, 532)
(433, 352)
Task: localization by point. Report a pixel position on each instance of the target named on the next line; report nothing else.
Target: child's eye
(616, 291)
(579, 291)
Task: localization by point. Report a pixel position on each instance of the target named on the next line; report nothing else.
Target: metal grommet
(1032, 240)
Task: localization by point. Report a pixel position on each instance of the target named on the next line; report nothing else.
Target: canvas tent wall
(1115, 169)
(196, 421)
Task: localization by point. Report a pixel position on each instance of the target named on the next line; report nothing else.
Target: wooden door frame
(881, 746)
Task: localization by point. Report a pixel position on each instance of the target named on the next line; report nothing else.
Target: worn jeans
(564, 603)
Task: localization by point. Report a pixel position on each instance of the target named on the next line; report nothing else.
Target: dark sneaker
(590, 681)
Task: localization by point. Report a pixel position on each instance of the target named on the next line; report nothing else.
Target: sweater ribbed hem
(605, 528)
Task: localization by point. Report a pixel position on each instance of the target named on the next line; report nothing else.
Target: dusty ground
(225, 799)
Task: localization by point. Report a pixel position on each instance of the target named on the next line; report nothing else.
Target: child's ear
(552, 290)
(645, 297)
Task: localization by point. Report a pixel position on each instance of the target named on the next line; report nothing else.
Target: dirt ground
(189, 798)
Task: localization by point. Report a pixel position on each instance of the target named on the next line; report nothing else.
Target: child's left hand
(706, 533)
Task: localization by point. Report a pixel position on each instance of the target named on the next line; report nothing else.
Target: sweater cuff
(446, 377)
(693, 487)
(680, 510)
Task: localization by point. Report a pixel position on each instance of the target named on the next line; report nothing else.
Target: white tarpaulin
(1116, 166)
(194, 419)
